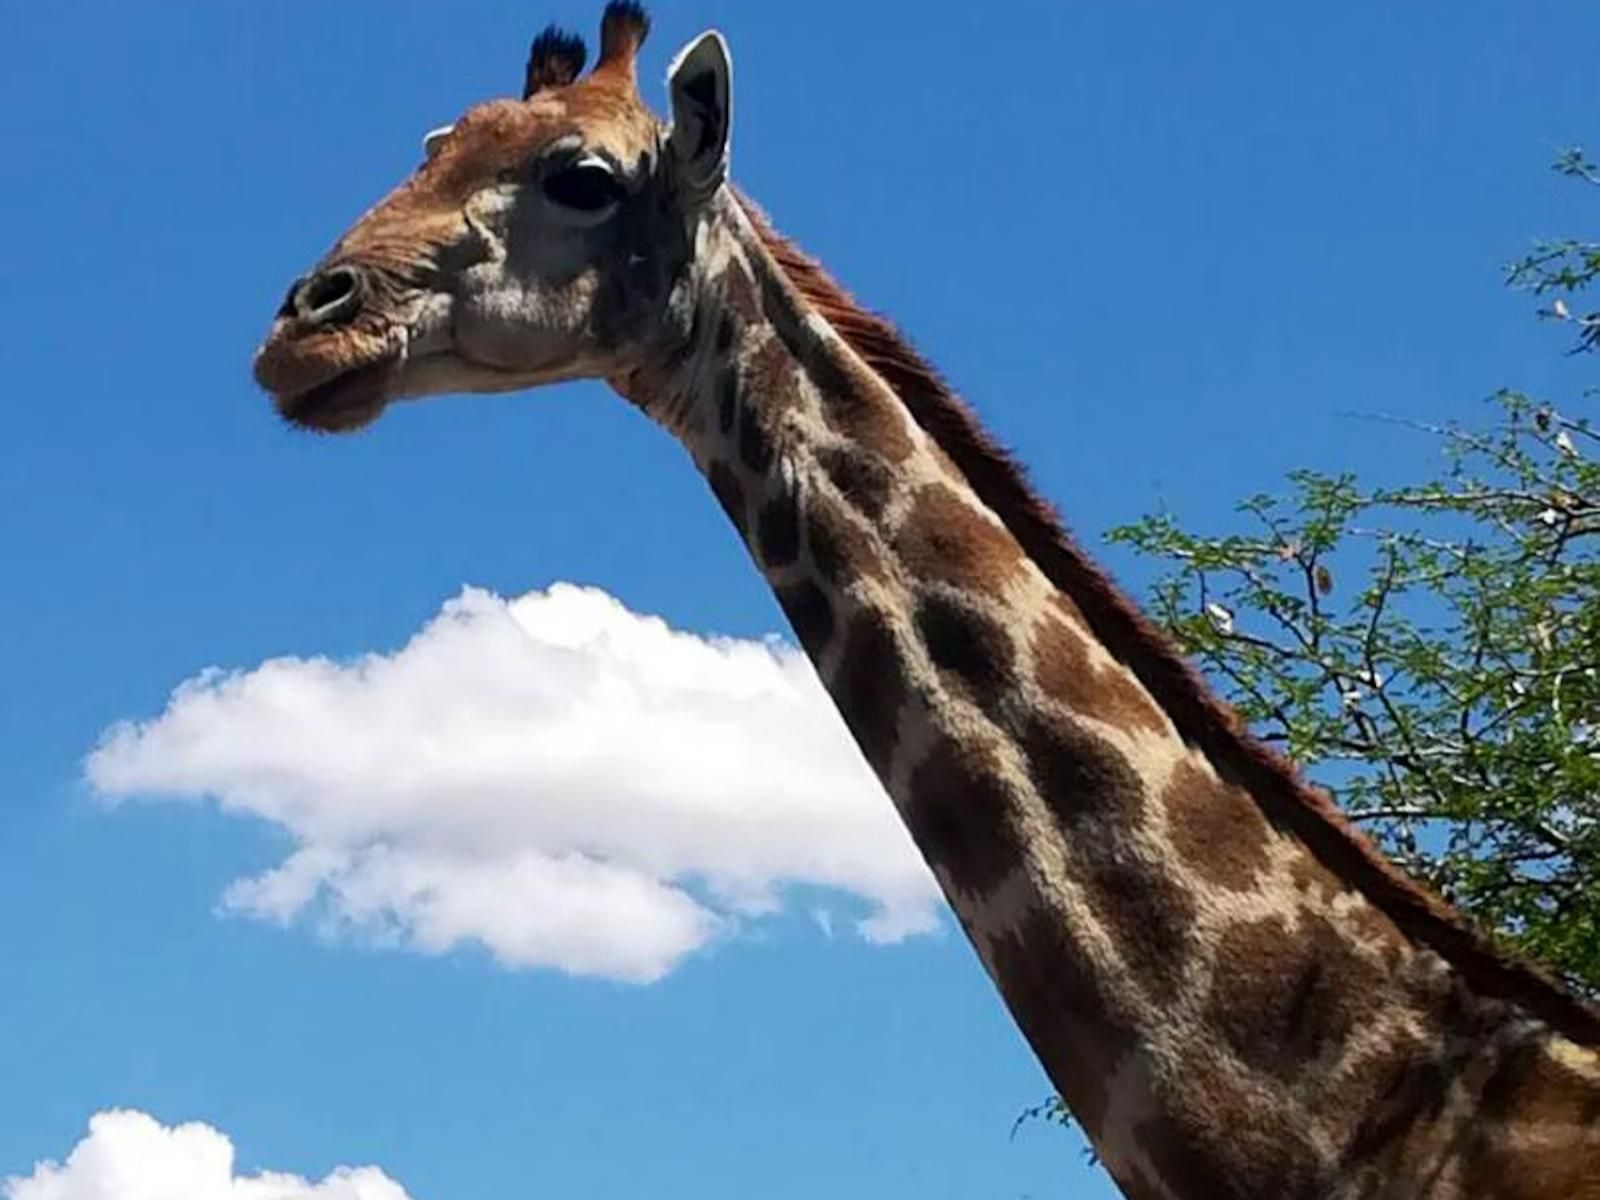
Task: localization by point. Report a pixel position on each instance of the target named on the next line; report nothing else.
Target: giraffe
(1236, 995)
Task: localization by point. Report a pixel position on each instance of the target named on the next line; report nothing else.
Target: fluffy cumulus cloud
(566, 782)
(130, 1156)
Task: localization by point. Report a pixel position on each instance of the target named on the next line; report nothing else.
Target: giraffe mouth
(356, 396)
(346, 402)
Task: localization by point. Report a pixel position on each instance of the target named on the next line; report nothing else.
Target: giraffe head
(539, 241)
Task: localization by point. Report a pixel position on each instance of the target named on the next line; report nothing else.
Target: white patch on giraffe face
(529, 308)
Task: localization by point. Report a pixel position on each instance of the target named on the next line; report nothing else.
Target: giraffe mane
(1203, 720)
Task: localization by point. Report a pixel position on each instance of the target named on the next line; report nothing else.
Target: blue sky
(1167, 252)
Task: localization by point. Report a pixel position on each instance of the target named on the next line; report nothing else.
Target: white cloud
(130, 1156)
(569, 783)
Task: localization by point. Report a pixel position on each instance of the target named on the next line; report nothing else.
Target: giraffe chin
(343, 404)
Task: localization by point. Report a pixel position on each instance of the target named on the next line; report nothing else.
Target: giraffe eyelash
(435, 138)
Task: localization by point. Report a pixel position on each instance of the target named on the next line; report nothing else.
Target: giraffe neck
(1223, 1015)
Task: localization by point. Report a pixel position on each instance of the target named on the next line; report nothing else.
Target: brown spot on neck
(961, 817)
(1215, 828)
(970, 647)
(1063, 1002)
(778, 532)
(1084, 780)
(727, 397)
(862, 478)
(1063, 671)
(1223, 1142)
(810, 614)
(1285, 1001)
(841, 550)
(755, 442)
(1541, 1136)
(944, 539)
(868, 687)
(1097, 800)
(729, 493)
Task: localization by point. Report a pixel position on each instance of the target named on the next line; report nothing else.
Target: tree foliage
(1431, 652)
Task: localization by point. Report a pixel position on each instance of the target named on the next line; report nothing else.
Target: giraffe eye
(588, 186)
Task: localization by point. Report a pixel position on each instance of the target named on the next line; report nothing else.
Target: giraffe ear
(700, 79)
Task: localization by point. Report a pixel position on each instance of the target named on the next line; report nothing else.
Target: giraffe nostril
(326, 297)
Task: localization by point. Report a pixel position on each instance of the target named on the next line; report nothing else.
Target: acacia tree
(1431, 652)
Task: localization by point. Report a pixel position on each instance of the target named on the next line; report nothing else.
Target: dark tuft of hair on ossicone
(554, 60)
(623, 30)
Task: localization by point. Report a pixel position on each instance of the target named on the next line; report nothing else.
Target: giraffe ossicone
(1236, 995)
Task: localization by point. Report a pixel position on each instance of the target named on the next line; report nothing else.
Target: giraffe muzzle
(329, 359)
